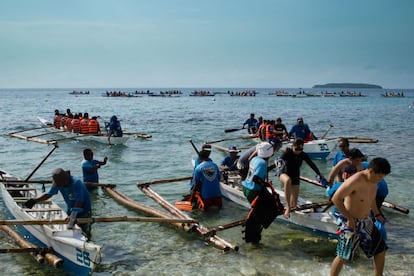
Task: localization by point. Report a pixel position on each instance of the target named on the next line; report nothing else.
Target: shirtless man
(354, 200)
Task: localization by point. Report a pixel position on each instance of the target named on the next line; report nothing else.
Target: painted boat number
(83, 257)
(323, 147)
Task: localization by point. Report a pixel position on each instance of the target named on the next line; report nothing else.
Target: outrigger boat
(314, 219)
(101, 138)
(79, 255)
(316, 149)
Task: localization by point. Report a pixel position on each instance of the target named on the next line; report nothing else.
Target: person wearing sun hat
(229, 163)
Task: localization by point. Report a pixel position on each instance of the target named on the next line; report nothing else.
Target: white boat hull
(316, 149)
(79, 256)
(96, 138)
(322, 223)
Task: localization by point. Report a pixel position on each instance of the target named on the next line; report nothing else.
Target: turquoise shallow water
(148, 248)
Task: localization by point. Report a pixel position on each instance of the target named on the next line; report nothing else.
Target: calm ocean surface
(158, 249)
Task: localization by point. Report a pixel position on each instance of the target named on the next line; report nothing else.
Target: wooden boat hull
(316, 149)
(79, 256)
(96, 138)
(320, 223)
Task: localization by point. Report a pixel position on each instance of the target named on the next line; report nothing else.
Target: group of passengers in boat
(268, 129)
(82, 123)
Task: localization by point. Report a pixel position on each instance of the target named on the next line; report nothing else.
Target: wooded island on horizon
(347, 85)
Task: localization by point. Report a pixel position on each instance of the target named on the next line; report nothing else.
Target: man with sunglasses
(289, 172)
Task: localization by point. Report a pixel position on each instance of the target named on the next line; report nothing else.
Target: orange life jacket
(69, 124)
(76, 125)
(269, 132)
(93, 126)
(84, 126)
(56, 121)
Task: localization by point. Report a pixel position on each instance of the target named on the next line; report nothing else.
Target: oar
(385, 203)
(251, 136)
(232, 129)
(194, 147)
(40, 164)
(97, 219)
(326, 132)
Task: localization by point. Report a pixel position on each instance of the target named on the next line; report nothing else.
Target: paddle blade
(184, 205)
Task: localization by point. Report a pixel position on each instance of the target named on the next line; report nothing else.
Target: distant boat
(393, 95)
(79, 92)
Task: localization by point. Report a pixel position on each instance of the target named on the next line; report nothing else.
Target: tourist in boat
(75, 194)
(76, 124)
(288, 170)
(355, 200)
(206, 181)
(280, 129)
(84, 124)
(115, 129)
(251, 124)
(56, 119)
(229, 163)
(94, 125)
(69, 126)
(90, 168)
(301, 130)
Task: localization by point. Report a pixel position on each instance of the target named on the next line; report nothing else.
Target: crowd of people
(356, 187)
(82, 123)
(266, 129)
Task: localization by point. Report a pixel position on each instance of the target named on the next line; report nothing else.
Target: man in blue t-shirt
(206, 180)
(75, 194)
(251, 124)
(90, 168)
(229, 163)
(301, 130)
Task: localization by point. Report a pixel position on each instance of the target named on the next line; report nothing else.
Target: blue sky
(215, 43)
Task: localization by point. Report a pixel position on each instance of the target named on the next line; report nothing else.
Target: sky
(214, 43)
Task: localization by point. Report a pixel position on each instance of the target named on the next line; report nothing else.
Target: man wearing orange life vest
(56, 120)
(84, 124)
(69, 123)
(76, 124)
(94, 125)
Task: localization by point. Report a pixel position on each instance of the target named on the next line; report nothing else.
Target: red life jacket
(69, 124)
(84, 126)
(93, 126)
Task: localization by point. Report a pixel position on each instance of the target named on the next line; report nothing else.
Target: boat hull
(79, 256)
(316, 149)
(318, 222)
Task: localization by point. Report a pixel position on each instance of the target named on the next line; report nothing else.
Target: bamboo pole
(385, 203)
(94, 184)
(97, 219)
(24, 130)
(163, 181)
(41, 162)
(233, 138)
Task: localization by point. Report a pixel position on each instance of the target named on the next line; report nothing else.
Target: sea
(144, 248)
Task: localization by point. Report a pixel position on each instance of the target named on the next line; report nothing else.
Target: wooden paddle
(232, 129)
(97, 219)
(40, 164)
(163, 181)
(326, 132)
(385, 203)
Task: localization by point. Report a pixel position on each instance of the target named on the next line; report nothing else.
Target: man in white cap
(257, 173)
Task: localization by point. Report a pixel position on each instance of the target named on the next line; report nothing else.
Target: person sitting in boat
(115, 129)
(84, 124)
(75, 194)
(206, 181)
(280, 130)
(94, 125)
(76, 124)
(301, 130)
(69, 126)
(90, 168)
(229, 163)
(57, 118)
(288, 166)
(251, 124)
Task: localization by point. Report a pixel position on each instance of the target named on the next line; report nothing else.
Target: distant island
(347, 85)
